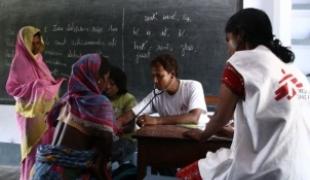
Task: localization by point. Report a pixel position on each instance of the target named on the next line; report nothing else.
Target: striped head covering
(83, 106)
(87, 105)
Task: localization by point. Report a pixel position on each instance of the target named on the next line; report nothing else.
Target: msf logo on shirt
(288, 86)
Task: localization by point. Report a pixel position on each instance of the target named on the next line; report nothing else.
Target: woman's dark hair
(119, 78)
(104, 66)
(168, 62)
(254, 27)
(37, 34)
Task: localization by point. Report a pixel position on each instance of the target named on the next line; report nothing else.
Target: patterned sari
(52, 159)
(35, 90)
(85, 109)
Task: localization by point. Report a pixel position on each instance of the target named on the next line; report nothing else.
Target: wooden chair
(212, 100)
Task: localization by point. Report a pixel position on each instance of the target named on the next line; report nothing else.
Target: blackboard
(129, 32)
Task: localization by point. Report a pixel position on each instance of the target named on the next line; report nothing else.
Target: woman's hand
(226, 131)
(195, 134)
(119, 123)
(124, 119)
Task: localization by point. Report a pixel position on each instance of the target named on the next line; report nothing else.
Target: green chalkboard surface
(129, 32)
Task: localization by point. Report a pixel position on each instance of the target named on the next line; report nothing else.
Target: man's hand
(146, 120)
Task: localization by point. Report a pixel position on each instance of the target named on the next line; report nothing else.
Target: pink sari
(35, 90)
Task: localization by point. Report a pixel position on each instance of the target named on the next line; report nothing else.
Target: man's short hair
(168, 62)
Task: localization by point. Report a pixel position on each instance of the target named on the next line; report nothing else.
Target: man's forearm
(187, 118)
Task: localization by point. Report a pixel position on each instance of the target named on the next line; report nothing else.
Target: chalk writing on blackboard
(129, 33)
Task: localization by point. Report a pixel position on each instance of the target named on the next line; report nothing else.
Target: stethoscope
(156, 93)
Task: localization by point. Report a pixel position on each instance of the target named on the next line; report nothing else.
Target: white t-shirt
(272, 125)
(188, 97)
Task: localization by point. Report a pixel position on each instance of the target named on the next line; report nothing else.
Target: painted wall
(8, 126)
(279, 12)
(9, 137)
(289, 24)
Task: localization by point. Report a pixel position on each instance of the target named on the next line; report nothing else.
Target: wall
(8, 126)
(9, 137)
(279, 12)
(301, 35)
(289, 24)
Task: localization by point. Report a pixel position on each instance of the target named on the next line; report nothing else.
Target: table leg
(141, 163)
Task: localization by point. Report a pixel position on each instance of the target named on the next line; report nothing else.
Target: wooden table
(164, 146)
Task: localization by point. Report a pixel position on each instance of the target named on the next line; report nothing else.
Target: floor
(9, 169)
(12, 173)
(9, 172)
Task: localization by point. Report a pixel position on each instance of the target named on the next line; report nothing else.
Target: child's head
(117, 83)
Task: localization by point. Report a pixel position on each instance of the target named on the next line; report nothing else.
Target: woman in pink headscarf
(34, 89)
(85, 126)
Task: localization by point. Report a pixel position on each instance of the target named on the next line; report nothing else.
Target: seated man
(176, 101)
